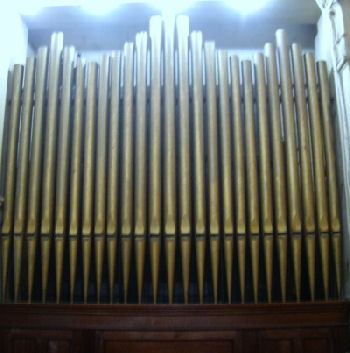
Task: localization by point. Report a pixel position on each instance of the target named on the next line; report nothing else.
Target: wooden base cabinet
(261, 328)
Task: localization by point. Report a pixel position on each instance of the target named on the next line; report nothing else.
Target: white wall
(14, 42)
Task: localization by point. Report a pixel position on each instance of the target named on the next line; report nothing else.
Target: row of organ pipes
(170, 145)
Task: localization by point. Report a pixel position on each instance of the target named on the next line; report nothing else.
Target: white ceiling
(217, 21)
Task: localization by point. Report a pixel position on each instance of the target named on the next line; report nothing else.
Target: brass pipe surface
(35, 163)
(239, 172)
(76, 173)
(293, 186)
(197, 86)
(252, 175)
(226, 144)
(333, 196)
(140, 137)
(226, 166)
(199, 179)
(154, 212)
(251, 165)
(318, 159)
(265, 171)
(169, 191)
(49, 161)
(89, 163)
(9, 196)
(20, 213)
(13, 129)
(127, 166)
(294, 215)
(61, 221)
(213, 165)
(279, 181)
(140, 227)
(101, 171)
(182, 30)
(214, 220)
(306, 177)
(113, 170)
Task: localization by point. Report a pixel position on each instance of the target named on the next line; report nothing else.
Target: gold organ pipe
(63, 165)
(112, 171)
(101, 173)
(226, 167)
(34, 185)
(265, 172)
(293, 187)
(7, 225)
(182, 29)
(306, 165)
(40, 174)
(140, 228)
(333, 197)
(20, 213)
(4, 143)
(89, 162)
(252, 175)
(76, 172)
(127, 167)
(169, 153)
(318, 159)
(199, 187)
(213, 165)
(49, 165)
(154, 213)
(239, 172)
(279, 181)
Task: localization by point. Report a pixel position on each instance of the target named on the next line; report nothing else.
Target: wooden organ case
(171, 198)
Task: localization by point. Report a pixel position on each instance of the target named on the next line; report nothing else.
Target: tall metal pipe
(306, 177)
(321, 196)
(127, 166)
(213, 163)
(113, 169)
(293, 186)
(140, 225)
(199, 181)
(169, 191)
(49, 162)
(154, 213)
(20, 214)
(76, 173)
(252, 176)
(101, 172)
(182, 30)
(61, 221)
(333, 196)
(89, 164)
(239, 173)
(35, 164)
(226, 167)
(279, 181)
(266, 209)
(13, 128)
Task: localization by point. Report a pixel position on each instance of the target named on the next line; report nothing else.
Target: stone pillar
(332, 44)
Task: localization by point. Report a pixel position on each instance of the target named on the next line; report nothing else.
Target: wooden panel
(55, 346)
(169, 347)
(25, 345)
(316, 345)
(276, 346)
(297, 328)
